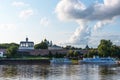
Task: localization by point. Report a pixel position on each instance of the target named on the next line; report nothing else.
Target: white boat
(98, 60)
(60, 60)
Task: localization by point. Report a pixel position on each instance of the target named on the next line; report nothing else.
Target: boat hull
(60, 61)
(97, 60)
(93, 62)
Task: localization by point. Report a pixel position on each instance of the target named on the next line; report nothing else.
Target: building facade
(3, 52)
(26, 45)
(54, 47)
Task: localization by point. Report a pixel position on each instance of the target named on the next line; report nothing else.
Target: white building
(26, 45)
(1, 54)
(54, 47)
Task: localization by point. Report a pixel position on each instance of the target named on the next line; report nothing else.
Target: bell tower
(26, 39)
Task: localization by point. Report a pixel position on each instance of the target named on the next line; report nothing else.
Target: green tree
(92, 53)
(85, 55)
(115, 51)
(56, 55)
(42, 45)
(104, 48)
(7, 45)
(12, 51)
(75, 54)
(50, 54)
(61, 55)
(70, 53)
(68, 47)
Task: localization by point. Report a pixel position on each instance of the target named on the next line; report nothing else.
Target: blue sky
(39, 19)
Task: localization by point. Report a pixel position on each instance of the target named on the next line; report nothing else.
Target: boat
(98, 60)
(60, 61)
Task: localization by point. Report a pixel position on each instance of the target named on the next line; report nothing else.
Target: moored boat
(60, 60)
(98, 60)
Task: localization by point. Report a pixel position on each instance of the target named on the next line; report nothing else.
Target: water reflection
(109, 72)
(9, 71)
(105, 70)
(59, 72)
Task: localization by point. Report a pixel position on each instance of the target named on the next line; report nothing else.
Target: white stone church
(26, 45)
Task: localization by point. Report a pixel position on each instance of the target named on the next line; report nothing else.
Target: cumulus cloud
(26, 13)
(44, 21)
(81, 34)
(100, 24)
(77, 10)
(19, 4)
(69, 11)
(102, 13)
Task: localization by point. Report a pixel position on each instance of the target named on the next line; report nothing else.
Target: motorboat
(98, 60)
(60, 60)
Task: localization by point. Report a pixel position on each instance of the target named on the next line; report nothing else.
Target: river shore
(24, 61)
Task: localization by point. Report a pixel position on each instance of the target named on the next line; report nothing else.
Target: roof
(56, 46)
(26, 42)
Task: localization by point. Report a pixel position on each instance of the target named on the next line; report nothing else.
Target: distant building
(26, 45)
(2, 52)
(51, 46)
(54, 47)
(44, 52)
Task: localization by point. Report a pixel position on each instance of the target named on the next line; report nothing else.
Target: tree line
(11, 49)
(105, 49)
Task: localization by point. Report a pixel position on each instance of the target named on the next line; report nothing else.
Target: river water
(60, 72)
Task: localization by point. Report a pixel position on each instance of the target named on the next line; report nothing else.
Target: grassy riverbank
(26, 58)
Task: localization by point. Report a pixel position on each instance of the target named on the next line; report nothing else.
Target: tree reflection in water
(41, 71)
(105, 70)
(59, 72)
(24, 71)
(9, 71)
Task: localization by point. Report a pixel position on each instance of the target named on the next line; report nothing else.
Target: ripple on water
(59, 72)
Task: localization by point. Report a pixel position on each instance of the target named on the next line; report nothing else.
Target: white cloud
(97, 11)
(26, 13)
(19, 4)
(66, 12)
(101, 13)
(111, 3)
(44, 21)
(100, 24)
(81, 34)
